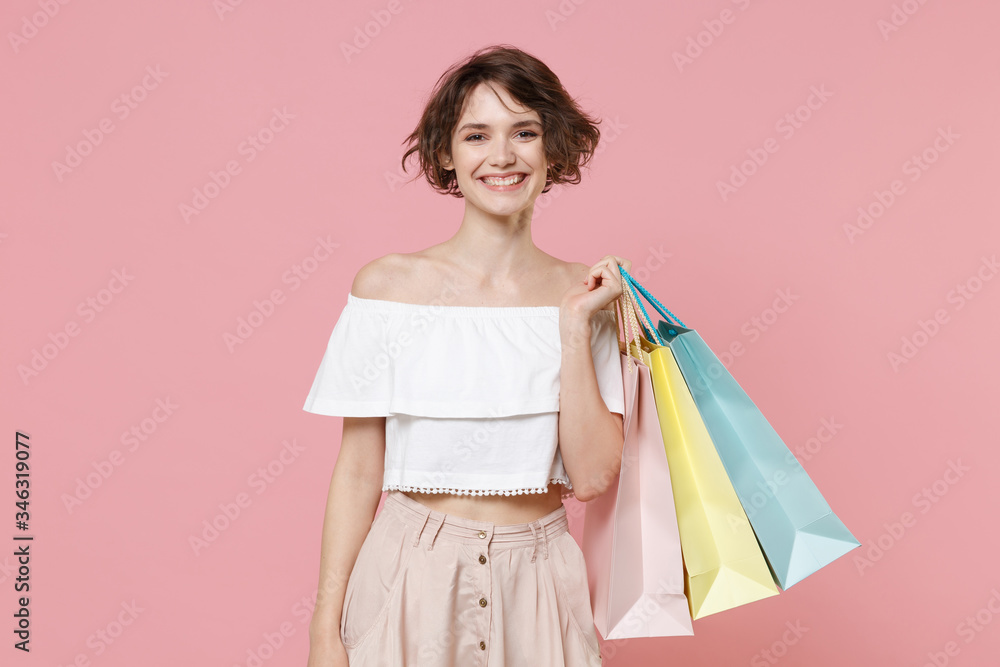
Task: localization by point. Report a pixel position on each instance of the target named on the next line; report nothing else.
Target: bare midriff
(498, 509)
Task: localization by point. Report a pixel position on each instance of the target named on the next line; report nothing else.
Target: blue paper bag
(797, 530)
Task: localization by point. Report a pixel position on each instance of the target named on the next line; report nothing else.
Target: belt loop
(534, 540)
(420, 531)
(436, 530)
(545, 539)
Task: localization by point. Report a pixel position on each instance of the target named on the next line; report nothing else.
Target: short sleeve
(353, 379)
(607, 361)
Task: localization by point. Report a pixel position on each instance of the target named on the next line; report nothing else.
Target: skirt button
(482, 534)
(482, 602)
(482, 558)
(482, 645)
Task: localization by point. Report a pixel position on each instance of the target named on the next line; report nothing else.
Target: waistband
(448, 527)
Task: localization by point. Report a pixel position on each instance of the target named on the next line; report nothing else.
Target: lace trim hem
(478, 492)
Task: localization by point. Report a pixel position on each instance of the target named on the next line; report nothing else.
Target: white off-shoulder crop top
(470, 393)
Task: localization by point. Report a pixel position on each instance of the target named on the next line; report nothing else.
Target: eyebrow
(484, 126)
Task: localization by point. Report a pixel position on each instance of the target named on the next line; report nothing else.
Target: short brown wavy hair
(569, 136)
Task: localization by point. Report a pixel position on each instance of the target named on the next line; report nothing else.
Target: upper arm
(362, 447)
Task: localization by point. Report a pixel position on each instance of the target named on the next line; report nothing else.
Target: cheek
(541, 183)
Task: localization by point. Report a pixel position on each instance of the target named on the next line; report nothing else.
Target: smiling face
(497, 153)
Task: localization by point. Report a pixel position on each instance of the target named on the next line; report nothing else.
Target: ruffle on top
(470, 393)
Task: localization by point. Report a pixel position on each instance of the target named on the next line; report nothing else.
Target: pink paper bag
(630, 540)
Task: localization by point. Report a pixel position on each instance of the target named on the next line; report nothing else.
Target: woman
(480, 382)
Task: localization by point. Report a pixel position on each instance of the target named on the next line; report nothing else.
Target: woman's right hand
(327, 654)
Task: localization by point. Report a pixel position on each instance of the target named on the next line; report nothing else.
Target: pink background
(331, 171)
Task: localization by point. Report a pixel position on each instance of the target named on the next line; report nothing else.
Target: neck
(494, 248)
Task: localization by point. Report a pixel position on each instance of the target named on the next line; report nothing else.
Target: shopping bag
(724, 565)
(795, 526)
(630, 539)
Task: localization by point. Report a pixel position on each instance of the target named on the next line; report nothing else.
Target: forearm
(590, 437)
(350, 509)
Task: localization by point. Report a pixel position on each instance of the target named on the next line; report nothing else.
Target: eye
(524, 134)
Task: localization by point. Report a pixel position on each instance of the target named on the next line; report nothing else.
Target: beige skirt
(434, 590)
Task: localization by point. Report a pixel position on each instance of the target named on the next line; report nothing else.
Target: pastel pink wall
(158, 97)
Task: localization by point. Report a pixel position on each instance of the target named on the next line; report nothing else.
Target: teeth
(510, 180)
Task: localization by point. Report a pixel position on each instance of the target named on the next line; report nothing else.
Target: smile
(503, 184)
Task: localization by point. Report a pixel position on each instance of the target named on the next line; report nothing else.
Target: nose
(501, 152)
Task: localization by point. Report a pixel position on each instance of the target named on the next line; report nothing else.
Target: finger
(607, 273)
(613, 262)
(618, 261)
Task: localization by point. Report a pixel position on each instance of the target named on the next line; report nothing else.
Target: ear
(444, 160)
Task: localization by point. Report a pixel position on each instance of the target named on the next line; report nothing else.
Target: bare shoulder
(375, 280)
(399, 276)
